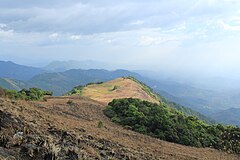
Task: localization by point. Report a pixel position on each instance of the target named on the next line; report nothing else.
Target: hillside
(15, 71)
(11, 84)
(229, 116)
(116, 89)
(76, 128)
(128, 87)
(166, 123)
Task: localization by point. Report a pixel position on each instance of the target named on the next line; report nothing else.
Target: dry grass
(116, 89)
(82, 119)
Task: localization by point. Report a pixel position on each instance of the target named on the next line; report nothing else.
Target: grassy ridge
(146, 88)
(114, 89)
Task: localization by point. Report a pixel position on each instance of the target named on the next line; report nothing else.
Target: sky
(180, 36)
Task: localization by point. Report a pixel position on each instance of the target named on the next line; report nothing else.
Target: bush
(70, 102)
(1, 92)
(100, 124)
(114, 88)
(31, 94)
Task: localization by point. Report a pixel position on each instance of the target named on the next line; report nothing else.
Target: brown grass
(84, 115)
(116, 89)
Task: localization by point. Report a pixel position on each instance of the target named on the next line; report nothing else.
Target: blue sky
(194, 36)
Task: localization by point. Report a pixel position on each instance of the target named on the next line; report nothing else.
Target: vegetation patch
(100, 124)
(166, 123)
(33, 94)
(75, 91)
(114, 88)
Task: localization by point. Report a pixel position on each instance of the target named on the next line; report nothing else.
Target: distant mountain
(61, 66)
(204, 101)
(62, 82)
(15, 71)
(230, 116)
(195, 98)
(11, 84)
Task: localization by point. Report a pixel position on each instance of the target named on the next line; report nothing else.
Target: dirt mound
(75, 128)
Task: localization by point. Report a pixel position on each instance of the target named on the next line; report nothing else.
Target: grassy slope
(229, 116)
(116, 89)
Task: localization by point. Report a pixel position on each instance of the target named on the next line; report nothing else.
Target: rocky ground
(74, 128)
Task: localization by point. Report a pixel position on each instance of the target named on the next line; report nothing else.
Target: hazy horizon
(192, 38)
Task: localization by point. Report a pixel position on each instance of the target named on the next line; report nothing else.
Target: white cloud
(53, 36)
(4, 31)
(3, 25)
(75, 37)
(227, 26)
(125, 28)
(138, 22)
(150, 41)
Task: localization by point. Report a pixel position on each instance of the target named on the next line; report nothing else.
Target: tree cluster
(33, 94)
(166, 123)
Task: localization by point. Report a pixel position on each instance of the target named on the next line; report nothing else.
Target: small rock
(17, 138)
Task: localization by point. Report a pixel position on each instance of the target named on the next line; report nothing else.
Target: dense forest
(168, 124)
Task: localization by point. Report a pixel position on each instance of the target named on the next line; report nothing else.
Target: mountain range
(60, 66)
(20, 72)
(206, 102)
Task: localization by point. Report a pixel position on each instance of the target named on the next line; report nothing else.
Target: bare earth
(71, 123)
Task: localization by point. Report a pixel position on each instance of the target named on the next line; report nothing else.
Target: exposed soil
(68, 128)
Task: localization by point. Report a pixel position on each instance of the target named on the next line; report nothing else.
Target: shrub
(100, 124)
(1, 92)
(114, 88)
(31, 94)
(70, 102)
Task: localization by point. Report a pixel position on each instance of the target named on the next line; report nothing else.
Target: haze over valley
(119, 79)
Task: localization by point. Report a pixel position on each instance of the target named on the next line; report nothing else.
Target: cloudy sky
(196, 35)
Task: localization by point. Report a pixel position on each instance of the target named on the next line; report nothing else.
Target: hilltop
(116, 89)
